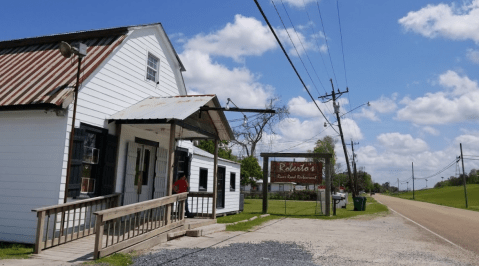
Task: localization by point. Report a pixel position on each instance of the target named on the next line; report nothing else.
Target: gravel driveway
(379, 240)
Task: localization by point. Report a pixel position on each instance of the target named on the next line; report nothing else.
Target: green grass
(447, 196)
(15, 251)
(294, 209)
(117, 259)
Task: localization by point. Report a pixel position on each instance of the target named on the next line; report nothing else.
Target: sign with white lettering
(298, 172)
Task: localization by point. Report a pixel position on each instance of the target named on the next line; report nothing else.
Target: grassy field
(447, 196)
(294, 209)
(15, 251)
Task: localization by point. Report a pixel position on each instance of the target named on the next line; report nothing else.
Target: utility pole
(354, 166)
(398, 185)
(463, 174)
(407, 186)
(426, 183)
(413, 181)
(336, 110)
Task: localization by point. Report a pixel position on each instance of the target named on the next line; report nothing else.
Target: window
(91, 157)
(232, 181)
(152, 68)
(203, 179)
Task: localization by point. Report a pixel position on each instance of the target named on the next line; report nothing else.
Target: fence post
(39, 238)
(99, 227)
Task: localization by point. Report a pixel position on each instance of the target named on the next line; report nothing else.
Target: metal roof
(154, 112)
(33, 73)
(37, 74)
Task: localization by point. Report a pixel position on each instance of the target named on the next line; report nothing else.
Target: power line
(327, 45)
(316, 41)
(342, 46)
(440, 171)
(292, 65)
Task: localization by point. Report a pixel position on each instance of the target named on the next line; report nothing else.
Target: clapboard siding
(120, 82)
(31, 151)
(231, 197)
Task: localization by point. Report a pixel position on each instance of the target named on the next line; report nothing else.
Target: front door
(144, 172)
(139, 173)
(220, 187)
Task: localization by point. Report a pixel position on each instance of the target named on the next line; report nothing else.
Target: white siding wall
(231, 197)
(120, 82)
(31, 149)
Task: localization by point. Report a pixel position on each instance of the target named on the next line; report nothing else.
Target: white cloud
(299, 106)
(246, 36)
(473, 55)
(430, 130)
(297, 3)
(448, 21)
(458, 102)
(402, 144)
(205, 76)
(382, 105)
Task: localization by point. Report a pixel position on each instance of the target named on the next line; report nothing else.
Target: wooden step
(176, 234)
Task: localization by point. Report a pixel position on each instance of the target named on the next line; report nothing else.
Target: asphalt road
(458, 226)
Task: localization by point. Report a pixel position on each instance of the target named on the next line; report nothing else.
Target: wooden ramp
(81, 250)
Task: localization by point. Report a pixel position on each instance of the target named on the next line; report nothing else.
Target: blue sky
(415, 61)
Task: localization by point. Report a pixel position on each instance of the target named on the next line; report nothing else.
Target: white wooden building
(276, 186)
(132, 107)
(228, 183)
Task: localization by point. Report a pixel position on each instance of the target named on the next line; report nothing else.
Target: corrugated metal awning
(37, 74)
(157, 113)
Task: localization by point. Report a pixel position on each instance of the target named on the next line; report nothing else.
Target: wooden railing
(200, 204)
(59, 224)
(125, 226)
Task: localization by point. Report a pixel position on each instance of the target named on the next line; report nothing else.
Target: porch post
(215, 179)
(265, 184)
(171, 162)
(327, 173)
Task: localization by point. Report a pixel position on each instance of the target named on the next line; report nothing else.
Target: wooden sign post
(302, 172)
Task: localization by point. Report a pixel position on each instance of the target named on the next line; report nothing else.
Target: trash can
(359, 203)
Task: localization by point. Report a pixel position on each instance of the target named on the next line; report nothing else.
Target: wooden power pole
(336, 110)
(463, 174)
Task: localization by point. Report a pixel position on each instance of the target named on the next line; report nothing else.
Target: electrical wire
(326, 40)
(296, 32)
(440, 171)
(292, 65)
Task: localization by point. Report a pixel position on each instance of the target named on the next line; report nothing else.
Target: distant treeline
(471, 178)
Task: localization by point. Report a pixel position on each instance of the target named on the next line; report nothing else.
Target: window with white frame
(152, 68)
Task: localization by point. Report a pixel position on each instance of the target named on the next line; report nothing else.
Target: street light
(67, 51)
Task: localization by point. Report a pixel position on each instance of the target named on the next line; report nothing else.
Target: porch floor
(81, 250)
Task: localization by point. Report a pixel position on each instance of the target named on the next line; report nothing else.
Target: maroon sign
(298, 172)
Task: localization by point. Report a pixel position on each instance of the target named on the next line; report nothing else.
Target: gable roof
(35, 74)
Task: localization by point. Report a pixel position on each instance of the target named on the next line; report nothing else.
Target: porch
(94, 228)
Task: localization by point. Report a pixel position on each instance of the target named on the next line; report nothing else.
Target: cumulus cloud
(448, 21)
(456, 103)
(430, 130)
(246, 36)
(401, 143)
(204, 76)
(382, 105)
(299, 106)
(473, 55)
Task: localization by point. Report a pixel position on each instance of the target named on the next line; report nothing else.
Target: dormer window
(152, 68)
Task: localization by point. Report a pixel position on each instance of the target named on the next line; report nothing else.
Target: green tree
(209, 146)
(325, 145)
(250, 171)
